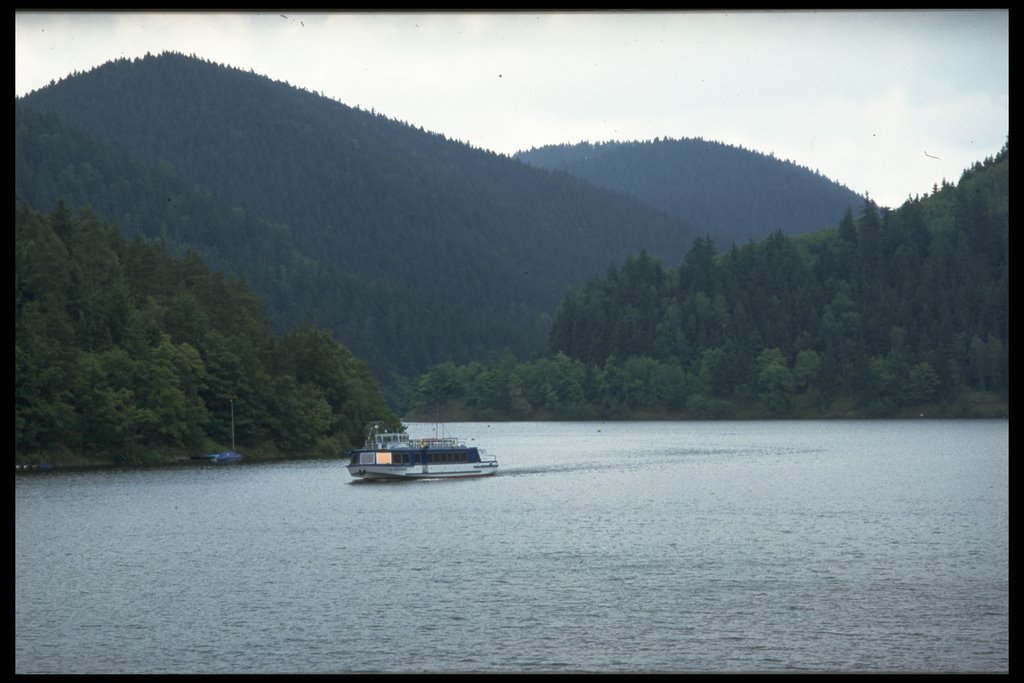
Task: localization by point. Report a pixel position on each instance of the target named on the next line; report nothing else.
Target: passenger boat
(393, 455)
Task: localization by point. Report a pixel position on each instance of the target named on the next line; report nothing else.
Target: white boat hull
(480, 469)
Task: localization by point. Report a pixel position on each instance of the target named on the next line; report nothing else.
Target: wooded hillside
(411, 248)
(891, 313)
(124, 354)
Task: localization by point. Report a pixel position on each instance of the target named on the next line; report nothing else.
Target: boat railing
(440, 442)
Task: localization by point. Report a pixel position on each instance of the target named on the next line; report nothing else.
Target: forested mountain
(411, 248)
(417, 252)
(124, 354)
(893, 313)
(731, 193)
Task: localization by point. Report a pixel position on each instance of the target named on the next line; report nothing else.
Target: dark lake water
(857, 546)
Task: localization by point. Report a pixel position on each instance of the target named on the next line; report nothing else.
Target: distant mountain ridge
(733, 194)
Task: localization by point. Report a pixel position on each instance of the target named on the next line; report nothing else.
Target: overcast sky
(888, 103)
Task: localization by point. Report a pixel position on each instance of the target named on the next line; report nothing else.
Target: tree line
(128, 355)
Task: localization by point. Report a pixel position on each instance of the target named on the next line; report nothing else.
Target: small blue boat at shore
(222, 457)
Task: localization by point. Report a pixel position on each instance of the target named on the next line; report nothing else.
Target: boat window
(383, 457)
